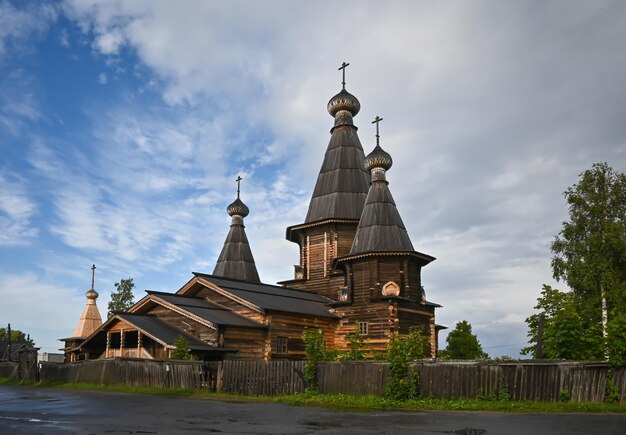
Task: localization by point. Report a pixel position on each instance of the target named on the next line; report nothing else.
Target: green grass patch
(342, 402)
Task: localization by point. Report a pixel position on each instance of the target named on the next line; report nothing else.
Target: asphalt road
(27, 410)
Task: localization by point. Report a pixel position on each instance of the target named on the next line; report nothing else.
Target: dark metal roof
(381, 228)
(206, 310)
(342, 183)
(271, 297)
(235, 260)
(159, 329)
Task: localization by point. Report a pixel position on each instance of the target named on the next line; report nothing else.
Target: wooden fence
(8, 369)
(261, 378)
(545, 381)
(131, 372)
(252, 378)
(531, 380)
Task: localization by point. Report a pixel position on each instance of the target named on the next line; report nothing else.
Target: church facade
(357, 271)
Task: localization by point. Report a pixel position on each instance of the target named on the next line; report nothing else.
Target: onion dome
(91, 295)
(344, 100)
(238, 208)
(378, 158)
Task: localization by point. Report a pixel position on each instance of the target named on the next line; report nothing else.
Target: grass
(342, 402)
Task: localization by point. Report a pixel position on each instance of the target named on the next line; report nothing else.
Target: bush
(315, 348)
(401, 350)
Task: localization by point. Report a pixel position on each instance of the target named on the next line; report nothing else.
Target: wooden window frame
(282, 345)
(364, 328)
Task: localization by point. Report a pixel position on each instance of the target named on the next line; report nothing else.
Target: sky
(124, 124)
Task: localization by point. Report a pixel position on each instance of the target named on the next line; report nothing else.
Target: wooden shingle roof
(342, 182)
(271, 297)
(381, 228)
(236, 260)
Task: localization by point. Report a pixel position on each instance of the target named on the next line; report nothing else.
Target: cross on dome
(238, 180)
(342, 68)
(376, 121)
(93, 275)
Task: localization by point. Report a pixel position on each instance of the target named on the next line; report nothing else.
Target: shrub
(401, 350)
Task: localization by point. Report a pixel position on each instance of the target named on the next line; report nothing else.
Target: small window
(343, 294)
(363, 328)
(281, 344)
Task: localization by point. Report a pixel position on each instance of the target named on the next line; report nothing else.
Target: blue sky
(123, 125)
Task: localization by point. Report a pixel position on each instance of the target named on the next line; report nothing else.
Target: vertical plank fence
(531, 380)
(261, 378)
(539, 381)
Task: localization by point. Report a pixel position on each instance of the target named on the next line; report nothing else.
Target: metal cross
(238, 180)
(376, 121)
(93, 274)
(342, 68)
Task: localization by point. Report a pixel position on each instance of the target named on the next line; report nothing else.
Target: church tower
(88, 323)
(383, 294)
(336, 204)
(90, 319)
(235, 260)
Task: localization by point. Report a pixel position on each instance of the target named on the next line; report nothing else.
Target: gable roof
(152, 326)
(213, 313)
(270, 297)
(16, 347)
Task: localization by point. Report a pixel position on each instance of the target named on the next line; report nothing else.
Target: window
(363, 328)
(281, 344)
(343, 294)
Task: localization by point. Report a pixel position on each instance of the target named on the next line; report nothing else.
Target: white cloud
(16, 25)
(16, 211)
(490, 113)
(102, 78)
(39, 308)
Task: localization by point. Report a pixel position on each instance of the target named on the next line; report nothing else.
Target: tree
(122, 298)
(565, 335)
(462, 344)
(182, 348)
(590, 251)
(16, 336)
(316, 351)
(401, 350)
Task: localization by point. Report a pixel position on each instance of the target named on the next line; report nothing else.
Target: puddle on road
(470, 431)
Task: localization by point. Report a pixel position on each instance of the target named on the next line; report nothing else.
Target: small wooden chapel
(358, 271)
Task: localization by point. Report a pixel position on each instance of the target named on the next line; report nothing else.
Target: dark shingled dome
(235, 260)
(380, 228)
(378, 158)
(342, 182)
(344, 100)
(238, 208)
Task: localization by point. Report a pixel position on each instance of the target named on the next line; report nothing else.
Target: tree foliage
(462, 344)
(355, 347)
(122, 298)
(566, 335)
(316, 352)
(590, 251)
(182, 348)
(401, 350)
(16, 335)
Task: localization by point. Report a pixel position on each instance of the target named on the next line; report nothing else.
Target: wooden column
(139, 345)
(325, 253)
(106, 353)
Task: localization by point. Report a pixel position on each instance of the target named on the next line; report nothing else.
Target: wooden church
(358, 270)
